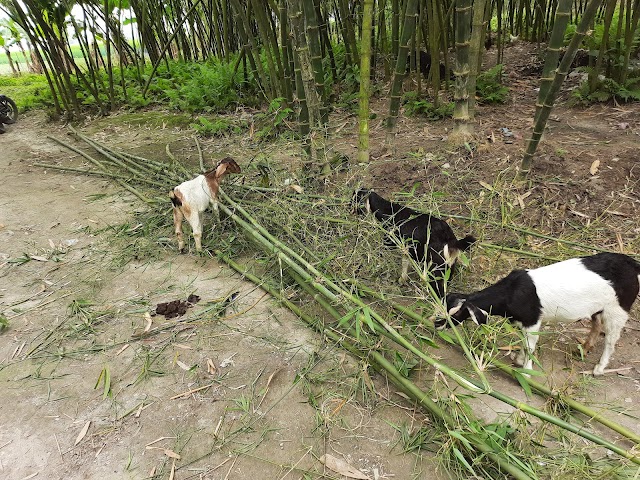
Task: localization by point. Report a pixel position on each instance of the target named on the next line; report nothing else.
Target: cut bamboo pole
(536, 386)
(381, 365)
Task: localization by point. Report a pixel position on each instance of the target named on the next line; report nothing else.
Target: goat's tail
(464, 243)
(174, 199)
(453, 249)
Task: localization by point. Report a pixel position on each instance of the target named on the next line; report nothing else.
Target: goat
(191, 198)
(429, 238)
(602, 287)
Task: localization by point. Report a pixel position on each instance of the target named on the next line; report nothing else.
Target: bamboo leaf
(523, 383)
(348, 316)
(446, 337)
(463, 460)
(367, 316)
(460, 437)
(82, 433)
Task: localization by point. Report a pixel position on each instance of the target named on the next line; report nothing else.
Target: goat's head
(459, 309)
(226, 165)
(360, 201)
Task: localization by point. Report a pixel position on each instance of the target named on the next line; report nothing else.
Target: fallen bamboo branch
(536, 386)
(334, 293)
(381, 365)
(533, 233)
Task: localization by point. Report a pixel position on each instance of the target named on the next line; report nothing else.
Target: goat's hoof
(598, 371)
(518, 358)
(586, 345)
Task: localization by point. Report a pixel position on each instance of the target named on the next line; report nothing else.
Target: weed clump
(489, 87)
(607, 89)
(415, 106)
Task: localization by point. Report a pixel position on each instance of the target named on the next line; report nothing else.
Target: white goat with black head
(602, 287)
(427, 238)
(191, 198)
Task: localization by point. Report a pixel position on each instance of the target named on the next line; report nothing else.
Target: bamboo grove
(302, 52)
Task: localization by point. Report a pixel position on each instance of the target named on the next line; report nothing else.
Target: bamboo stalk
(77, 170)
(295, 261)
(535, 234)
(554, 88)
(381, 364)
(538, 387)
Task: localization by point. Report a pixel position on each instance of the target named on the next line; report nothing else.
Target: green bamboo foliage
(365, 81)
(553, 51)
(462, 129)
(561, 74)
(398, 75)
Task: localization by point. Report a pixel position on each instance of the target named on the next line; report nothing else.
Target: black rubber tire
(9, 107)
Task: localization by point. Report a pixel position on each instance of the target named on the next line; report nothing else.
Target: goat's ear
(478, 315)
(227, 165)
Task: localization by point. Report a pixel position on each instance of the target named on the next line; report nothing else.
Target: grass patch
(27, 90)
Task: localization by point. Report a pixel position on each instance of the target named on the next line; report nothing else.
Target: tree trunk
(318, 160)
(365, 81)
(553, 52)
(398, 75)
(475, 50)
(561, 74)
(462, 127)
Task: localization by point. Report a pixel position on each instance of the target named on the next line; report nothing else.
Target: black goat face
(360, 201)
(460, 309)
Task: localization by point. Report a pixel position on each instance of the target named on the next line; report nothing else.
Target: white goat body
(602, 287)
(191, 198)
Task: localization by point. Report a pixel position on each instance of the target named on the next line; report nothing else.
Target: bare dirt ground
(242, 389)
(258, 362)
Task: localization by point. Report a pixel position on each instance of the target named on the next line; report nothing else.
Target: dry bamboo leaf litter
(343, 468)
(82, 433)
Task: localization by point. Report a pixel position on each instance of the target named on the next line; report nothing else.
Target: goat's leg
(216, 211)
(523, 358)
(594, 334)
(177, 225)
(195, 220)
(404, 276)
(613, 321)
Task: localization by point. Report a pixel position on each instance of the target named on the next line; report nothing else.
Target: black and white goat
(191, 198)
(427, 238)
(602, 287)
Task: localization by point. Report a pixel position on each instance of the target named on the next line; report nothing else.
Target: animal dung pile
(176, 308)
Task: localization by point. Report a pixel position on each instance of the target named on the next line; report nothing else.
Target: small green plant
(216, 128)
(4, 322)
(352, 78)
(404, 364)
(414, 106)
(148, 369)
(608, 89)
(104, 379)
(275, 120)
(489, 87)
(242, 404)
(418, 439)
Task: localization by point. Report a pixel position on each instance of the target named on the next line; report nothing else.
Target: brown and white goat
(191, 198)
